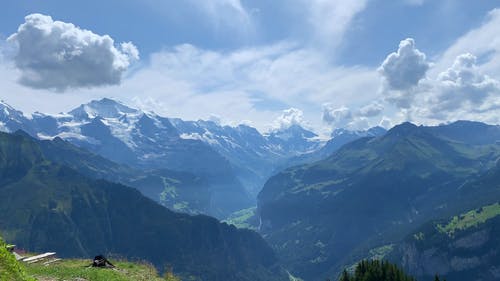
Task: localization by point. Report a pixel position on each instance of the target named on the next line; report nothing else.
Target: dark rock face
(470, 254)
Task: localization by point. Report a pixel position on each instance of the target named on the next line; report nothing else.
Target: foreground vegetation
(375, 270)
(74, 269)
(10, 269)
(80, 270)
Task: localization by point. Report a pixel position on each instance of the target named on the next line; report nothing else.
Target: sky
(322, 64)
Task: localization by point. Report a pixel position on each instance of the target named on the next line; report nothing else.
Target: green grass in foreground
(69, 270)
(10, 269)
(470, 219)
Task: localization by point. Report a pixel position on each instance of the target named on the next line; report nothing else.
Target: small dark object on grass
(101, 261)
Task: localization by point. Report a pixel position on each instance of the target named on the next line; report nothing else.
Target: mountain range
(231, 164)
(322, 216)
(322, 206)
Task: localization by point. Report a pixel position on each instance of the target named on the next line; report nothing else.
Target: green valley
(50, 207)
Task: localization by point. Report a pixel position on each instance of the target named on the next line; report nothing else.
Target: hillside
(50, 207)
(78, 269)
(179, 191)
(140, 140)
(462, 247)
(373, 190)
(465, 247)
(10, 269)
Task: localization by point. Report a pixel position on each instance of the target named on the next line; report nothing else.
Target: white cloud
(58, 55)
(466, 84)
(463, 87)
(192, 83)
(288, 118)
(483, 42)
(336, 117)
(344, 117)
(261, 79)
(331, 18)
(404, 68)
(402, 71)
(460, 91)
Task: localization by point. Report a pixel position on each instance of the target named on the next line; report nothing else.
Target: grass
(69, 270)
(381, 252)
(10, 269)
(470, 219)
(240, 218)
(75, 270)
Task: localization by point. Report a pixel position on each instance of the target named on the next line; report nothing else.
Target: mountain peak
(8, 111)
(293, 131)
(105, 108)
(371, 132)
(404, 128)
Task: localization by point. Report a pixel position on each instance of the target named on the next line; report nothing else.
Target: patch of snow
(42, 136)
(193, 136)
(72, 135)
(4, 128)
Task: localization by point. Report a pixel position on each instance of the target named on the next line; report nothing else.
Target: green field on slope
(75, 269)
(79, 270)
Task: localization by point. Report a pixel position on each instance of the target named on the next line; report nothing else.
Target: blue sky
(249, 61)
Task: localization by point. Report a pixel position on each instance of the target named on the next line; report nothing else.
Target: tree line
(376, 270)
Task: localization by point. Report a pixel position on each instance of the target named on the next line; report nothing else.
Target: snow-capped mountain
(254, 156)
(293, 141)
(339, 137)
(138, 139)
(343, 136)
(12, 119)
(236, 161)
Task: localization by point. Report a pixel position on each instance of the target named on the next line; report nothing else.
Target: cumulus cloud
(463, 85)
(404, 68)
(288, 118)
(58, 55)
(336, 117)
(402, 71)
(462, 91)
(345, 117)
(483, 42)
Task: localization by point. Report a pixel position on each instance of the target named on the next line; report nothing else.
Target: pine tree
(375, 270)
(345, 276)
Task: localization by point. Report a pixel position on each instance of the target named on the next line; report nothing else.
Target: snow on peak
(292, 132)
(105, 108)
(8, 112)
